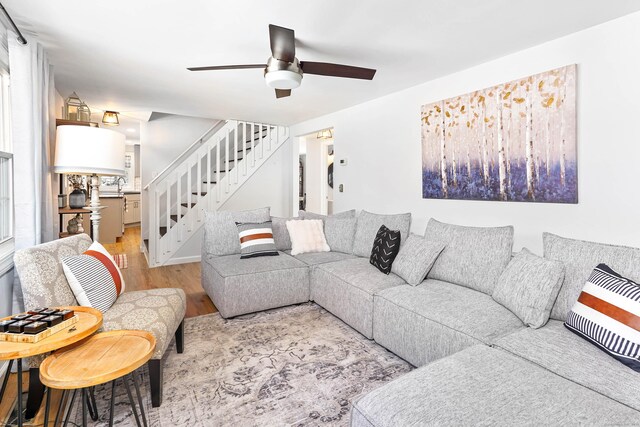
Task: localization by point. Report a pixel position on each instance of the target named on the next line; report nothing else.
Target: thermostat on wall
(342, 162)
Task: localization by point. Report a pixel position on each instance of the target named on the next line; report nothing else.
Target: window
(6, 173)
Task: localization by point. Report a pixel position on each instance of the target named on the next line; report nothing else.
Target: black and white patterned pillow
(385, 248)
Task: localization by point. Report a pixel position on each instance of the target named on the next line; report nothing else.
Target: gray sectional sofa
(477, 360)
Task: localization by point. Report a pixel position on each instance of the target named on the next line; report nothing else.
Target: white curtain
(32, 128)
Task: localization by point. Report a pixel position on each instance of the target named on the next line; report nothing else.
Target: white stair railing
(203, 179)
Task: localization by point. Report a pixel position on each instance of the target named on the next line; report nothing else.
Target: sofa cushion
(580, 258)
(340, 233)
(529, 287)
(368, 225)
(317, 258)
(346, 289)
(485, 386)
(280, 232)
(339, 215)
(557, 349)
(435, 319)
(158, 311)
(415, 259)
(221, 233)
(473, 256)
(245, 286)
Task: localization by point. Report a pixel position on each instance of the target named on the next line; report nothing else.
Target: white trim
(7, 249)
(183, 260)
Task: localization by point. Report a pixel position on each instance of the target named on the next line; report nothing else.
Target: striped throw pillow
(256, 239)
(94, 277)
(607, 314)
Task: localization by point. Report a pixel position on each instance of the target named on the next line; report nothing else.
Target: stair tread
(202, 193)
(175, 217)
(186, 205)
(163, 231)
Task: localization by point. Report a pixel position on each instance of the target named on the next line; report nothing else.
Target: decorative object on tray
(75, 225)
(515, 141)
(62, 200)
(35, 325)
(78, 197)
(106, 157)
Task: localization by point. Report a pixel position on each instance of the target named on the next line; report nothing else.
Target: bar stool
(102, 358)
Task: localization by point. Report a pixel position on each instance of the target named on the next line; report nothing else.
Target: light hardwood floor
(137, 276)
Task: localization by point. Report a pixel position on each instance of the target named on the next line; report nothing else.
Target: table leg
(62, 402)
(85, 403)
(93, 408)
(137, 386)
(6, 379)
(20, 420)
(47, 407)
(113, 402)
(133, 405)
(73, 398)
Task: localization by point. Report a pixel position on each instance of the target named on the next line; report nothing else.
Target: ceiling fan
(283, 71)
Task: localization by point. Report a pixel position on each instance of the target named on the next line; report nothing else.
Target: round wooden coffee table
(101, 358)
(89, 321)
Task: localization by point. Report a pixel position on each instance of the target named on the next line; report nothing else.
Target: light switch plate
(343, 162)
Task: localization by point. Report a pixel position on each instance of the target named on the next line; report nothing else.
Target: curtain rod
(21, 38)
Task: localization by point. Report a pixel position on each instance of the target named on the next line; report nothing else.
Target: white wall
(381, 139)
(165, 137)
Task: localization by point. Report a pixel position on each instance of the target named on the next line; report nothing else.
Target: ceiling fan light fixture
(283, 79)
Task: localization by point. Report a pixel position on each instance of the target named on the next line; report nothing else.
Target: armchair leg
(180, 337)
(155, 381)
(36, 393)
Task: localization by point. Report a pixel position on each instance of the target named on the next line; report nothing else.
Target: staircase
(202, 179)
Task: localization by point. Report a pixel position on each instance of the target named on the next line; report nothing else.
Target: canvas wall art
(512, 142)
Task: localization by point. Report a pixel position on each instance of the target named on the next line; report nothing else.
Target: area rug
(294, 366)
(121, 260)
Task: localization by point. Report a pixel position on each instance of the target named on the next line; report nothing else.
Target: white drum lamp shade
(86, 150)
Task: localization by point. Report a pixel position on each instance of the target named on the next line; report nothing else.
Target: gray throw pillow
(529, 286)
(415, 259)
(280, 232)
(473, 257)
(221, 232)
(310, 215)
(339, 233)
(580, 258)
(368, 225)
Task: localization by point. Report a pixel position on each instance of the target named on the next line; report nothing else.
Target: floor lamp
(86, 150)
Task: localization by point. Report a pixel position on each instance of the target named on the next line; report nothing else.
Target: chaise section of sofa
(435, 319)
(240, 286)
(486, 386)
(347, 288)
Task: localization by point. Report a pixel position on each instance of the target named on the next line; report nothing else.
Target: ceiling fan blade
(337, 70)
(227, 67)
(283, 43)
(282, 93)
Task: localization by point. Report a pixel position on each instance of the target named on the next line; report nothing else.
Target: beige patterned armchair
(158, 311)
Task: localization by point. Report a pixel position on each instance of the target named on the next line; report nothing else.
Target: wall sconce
(110, 118)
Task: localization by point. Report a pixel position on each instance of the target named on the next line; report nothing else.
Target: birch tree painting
(512, 142)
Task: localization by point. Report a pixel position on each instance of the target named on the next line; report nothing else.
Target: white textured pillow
(307, 235)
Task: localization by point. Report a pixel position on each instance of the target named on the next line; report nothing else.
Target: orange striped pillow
(607, 314)
(94, 278)
(256, 239)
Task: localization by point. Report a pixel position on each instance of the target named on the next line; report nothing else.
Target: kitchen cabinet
(112, 222)
(132, 209)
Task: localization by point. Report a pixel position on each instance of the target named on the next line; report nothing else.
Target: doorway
(315, 167)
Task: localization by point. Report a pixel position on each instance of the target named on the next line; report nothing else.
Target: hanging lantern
(75, 109)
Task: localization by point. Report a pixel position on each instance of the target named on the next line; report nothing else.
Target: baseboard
(183, 260)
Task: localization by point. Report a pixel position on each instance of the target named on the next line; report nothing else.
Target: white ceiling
(131, 56)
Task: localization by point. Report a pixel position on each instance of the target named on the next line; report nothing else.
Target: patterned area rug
(294, 366)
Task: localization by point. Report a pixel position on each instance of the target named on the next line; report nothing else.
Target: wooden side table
(89, 321)
(102, 358)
